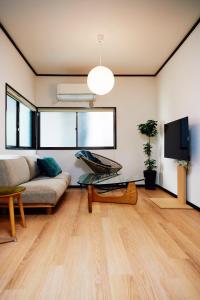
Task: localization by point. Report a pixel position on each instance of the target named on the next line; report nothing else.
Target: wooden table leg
(90, 198)
(12, 216)
(21, 208)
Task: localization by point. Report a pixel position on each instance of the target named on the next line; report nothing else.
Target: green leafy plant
(150, 130)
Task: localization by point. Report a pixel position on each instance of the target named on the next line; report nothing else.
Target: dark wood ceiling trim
(179, 45)
(85, 75)
(117, 75)
(16, 47)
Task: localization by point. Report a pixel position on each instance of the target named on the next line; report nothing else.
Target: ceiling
(60, 36)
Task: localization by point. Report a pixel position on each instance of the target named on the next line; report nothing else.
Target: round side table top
(10, 191)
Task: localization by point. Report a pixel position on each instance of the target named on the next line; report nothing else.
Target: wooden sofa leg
(49, 210)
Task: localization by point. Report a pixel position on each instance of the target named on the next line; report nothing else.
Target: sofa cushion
(33, 167)
(65, 176)
(49, 166)
(45, 190)
(14, 171)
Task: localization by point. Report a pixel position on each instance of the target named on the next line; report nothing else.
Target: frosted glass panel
(11, 122)
(57, 129)
(95, 129)
(25, 133)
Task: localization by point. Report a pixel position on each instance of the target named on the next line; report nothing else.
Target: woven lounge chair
(99, 163)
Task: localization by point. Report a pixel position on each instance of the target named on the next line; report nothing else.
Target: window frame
(54, 109)
(33, 120)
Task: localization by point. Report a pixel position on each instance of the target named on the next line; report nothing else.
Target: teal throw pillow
(49, 166)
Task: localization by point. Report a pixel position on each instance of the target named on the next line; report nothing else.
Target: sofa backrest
(33, 167)
(14, 171)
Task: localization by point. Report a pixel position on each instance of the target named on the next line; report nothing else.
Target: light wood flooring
(118, 252)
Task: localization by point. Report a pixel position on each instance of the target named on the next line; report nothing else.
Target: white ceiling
(60, 36)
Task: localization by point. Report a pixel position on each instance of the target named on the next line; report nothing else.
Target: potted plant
(150, 130)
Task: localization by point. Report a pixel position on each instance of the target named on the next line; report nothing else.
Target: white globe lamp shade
(100, 80)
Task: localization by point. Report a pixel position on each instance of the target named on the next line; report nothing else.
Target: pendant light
(100, 79)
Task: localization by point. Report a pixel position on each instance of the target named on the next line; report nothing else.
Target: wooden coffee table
(98, 184)
(9, 195)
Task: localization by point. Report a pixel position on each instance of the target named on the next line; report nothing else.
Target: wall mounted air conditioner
(74, 92)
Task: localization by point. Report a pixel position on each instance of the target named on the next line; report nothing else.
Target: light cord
(100, 39)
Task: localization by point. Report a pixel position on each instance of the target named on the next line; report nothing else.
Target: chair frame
(112, 166)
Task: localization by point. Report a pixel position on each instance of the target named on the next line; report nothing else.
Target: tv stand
(179, 202)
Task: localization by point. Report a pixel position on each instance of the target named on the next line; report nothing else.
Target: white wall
(178, 87)
(15, 72)
(177, 92)
(135, 100)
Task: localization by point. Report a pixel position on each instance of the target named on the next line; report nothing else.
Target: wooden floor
(118, 252)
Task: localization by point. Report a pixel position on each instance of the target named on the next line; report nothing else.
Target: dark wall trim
(116, 75)
(16, 47)
(167, 191)
(85, 75)
(174, 195)
(142, 185)
(179, 45)
(61, 75)
(193, 205)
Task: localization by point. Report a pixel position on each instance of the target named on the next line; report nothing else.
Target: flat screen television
(176, 139)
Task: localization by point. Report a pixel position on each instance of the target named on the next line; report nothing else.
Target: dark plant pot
(150, 179)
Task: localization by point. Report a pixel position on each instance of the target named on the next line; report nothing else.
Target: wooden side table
(8, 195)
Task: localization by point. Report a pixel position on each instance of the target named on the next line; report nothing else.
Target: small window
(11, 122)
(96, 129)
(25, 126)
(57, 129)
(77, 128)
(20, 121)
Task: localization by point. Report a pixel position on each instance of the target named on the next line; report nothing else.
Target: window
(20, 121)
(96, 129)
(25, 126)
(77, 128)
(11, 121)
(57, 129)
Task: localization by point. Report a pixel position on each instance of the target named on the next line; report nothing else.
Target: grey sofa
(41, 191)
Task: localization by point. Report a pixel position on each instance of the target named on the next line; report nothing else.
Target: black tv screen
(176, 139)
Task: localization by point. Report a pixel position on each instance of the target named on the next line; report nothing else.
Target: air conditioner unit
(74, 92)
